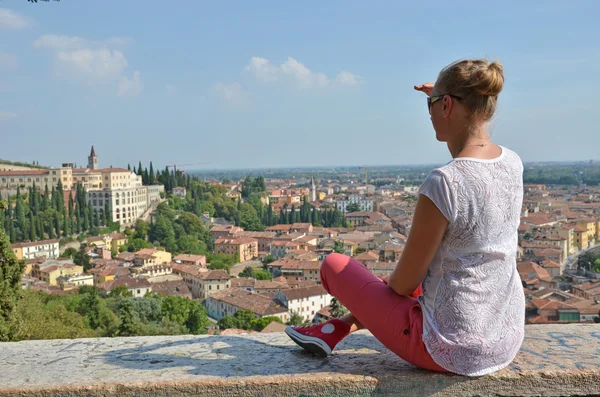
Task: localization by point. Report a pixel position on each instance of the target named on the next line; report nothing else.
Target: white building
(179, 192)
(305, 301)
(36, 249)
(154, 192)
(364, 203)
(64, 282)
(126, 204)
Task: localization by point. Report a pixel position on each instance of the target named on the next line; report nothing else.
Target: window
(138, 291)
(210, 287)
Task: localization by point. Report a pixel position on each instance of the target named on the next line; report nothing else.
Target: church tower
(93, 160)
(313, 190)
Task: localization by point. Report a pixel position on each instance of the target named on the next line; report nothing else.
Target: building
(138, 287)
(212, 282)
(364, 203)
(313, 190)
(228, 302)
(297, 270)
(154, 193)
(304, 301)
(160, 256)
(93, 160)
(301, 228)
(179, 192)
(188, 259)
(225, 231)
(126, 204)
(244, 248)
(70, 282)
(280, 248)
(50, 270)
(364, 218)
(36, 249)
(172, 288)
(118, 240)
(13, 179)
(263, 239)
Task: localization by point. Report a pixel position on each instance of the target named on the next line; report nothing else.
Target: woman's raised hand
(426, 88)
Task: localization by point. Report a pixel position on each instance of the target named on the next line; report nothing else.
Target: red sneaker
(319, 339)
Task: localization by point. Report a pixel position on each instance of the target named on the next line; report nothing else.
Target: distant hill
(16, 165)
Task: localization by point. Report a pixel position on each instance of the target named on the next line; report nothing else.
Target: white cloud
(262, 69)
(63, 43)
(346, 78)
(11, 20)
(130, 87)
(93, 65)
(293, 70)
(4, 115)
(171, 89)
(8, 61)
(92, 61)
(231, 93)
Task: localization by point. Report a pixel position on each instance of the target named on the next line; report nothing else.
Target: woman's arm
(426, 233)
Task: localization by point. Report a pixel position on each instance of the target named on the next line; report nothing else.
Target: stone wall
(562, 360)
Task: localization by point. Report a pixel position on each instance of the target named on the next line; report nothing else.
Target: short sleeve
(437, 189)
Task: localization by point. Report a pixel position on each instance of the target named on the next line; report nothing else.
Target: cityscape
(243, 255)
(339, 198)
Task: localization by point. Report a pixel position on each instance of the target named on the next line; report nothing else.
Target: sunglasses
(433, 99)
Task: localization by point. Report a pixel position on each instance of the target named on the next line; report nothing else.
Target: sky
(240, 84)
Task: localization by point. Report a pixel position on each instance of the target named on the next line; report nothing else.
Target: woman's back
(473, 302)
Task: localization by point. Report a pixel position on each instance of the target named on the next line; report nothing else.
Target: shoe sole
(312, 344)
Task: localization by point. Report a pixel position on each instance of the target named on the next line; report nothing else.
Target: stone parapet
(555, 360)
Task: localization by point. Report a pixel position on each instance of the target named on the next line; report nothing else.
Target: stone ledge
(561, 360)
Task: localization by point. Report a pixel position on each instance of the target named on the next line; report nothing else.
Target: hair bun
(489, 80)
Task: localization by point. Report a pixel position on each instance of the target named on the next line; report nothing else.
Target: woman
(462, 247)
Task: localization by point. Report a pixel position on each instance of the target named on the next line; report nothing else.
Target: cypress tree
(45, 199)
(107, 214)
(70, 213)
(315, 216)
(65, 226)
(20, 217)
(151, 177)
(57, 223)
(32, 227)
(40, 227)
(140, 172)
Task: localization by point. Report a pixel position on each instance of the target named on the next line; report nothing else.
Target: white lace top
(473, 301)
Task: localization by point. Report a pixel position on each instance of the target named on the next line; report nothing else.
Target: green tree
(120, 292)
(268, 259)
(32, 228)
(21, 226)
(151, 177)
(69, 253)
(352, 207)
(338, 247)
(336, 309)
(227, 322)
(295, 319)
(130, 322)
(258, 324)
(11, 270)
(197, 319)
(82, 259)
(244, 318)
(137, 244)
(141, 229)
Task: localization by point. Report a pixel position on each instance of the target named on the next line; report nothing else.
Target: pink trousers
(395, 320)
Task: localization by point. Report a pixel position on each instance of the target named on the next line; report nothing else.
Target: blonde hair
(477, 82)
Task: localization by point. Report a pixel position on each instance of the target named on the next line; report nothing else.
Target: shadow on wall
(231, 356)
